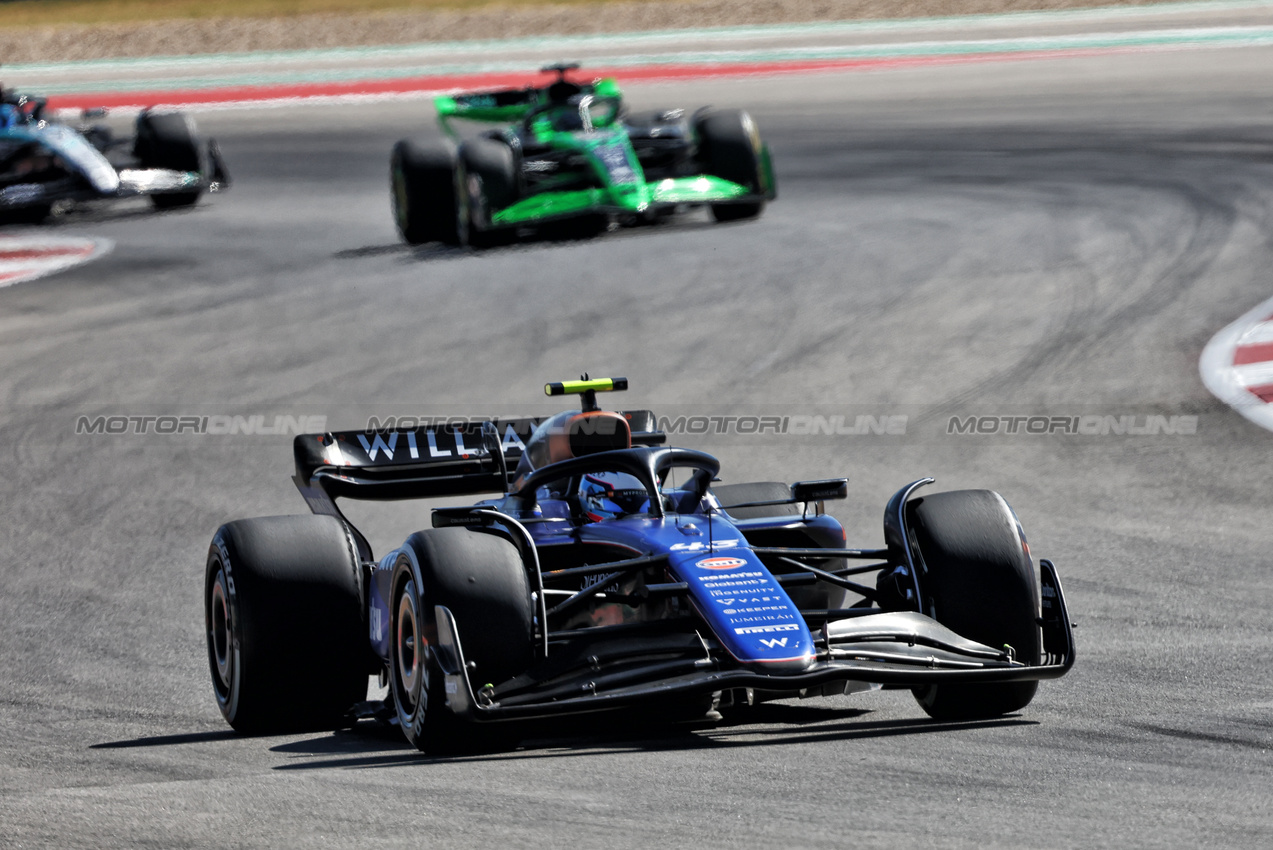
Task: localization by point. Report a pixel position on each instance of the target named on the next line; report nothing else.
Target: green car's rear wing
(498, 106)
(507, 106)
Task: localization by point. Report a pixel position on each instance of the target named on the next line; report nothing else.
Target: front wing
(659, 194)
(133, 182)
(900, 649)
(125, 183)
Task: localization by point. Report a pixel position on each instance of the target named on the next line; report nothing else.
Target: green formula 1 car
(569, 157)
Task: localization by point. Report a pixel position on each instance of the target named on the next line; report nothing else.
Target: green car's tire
(978, 580)
(729, 147)
(492, 173)
(168, 140)
(493, 162)
(428, 193)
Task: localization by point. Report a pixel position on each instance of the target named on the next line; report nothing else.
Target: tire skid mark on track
(1085, 334)
(1207, 737)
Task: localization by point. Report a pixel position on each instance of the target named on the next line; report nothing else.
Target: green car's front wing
(636, 199)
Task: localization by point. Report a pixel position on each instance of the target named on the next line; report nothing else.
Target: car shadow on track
(370, 745)
(168, 740)
(103, 212)
(529, 241)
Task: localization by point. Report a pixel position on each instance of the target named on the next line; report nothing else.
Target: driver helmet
(612, 495)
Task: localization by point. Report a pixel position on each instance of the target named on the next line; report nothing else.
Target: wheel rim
(409, 647)
(220, 636)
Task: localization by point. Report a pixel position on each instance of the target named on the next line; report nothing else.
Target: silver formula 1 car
(46, 163)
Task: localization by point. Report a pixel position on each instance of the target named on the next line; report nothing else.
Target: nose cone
(748, 611)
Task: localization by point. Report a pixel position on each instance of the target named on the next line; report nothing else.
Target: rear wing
(505, 106)
(467, 458)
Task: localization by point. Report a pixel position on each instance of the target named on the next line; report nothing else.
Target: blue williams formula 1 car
(44, 162)
(570, 158)
(610, 572)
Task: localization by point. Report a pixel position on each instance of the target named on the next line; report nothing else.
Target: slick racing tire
(168, 140)
(491, 170)
(494, 166)
(480, 578)
(758, 491)
(429, 193)
(283, 605)
(978, 580)
(729, 147)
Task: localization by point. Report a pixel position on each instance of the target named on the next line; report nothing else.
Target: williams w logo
(772, 642)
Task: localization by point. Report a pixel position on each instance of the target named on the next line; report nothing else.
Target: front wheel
(169, 140)
(729, 147)
(481, 580)
(978, 580)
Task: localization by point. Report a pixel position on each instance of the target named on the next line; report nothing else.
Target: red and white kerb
(24, 258)
(1237, 365)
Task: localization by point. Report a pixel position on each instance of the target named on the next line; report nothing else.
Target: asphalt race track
(1052, 238)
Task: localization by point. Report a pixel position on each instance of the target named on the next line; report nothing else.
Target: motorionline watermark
(215, 424)
(1087, 425)
(796, 425)
(682, 424)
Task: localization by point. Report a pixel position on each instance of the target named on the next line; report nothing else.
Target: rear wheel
(283, 608)
(168, 140)
(429, 193)
(481, 580)
(729, 147)
(977, 579)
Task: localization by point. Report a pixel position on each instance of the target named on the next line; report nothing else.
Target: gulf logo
(720, 563)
